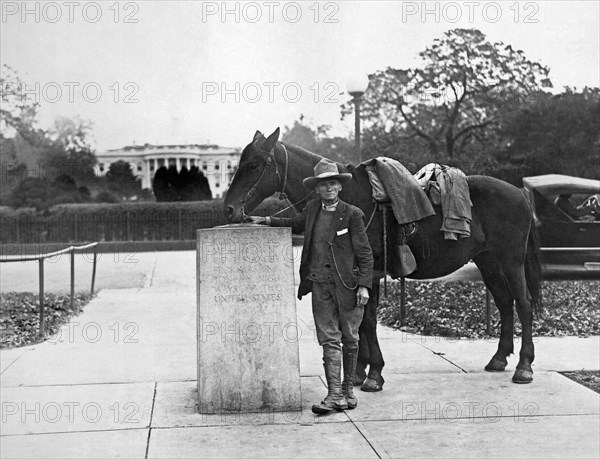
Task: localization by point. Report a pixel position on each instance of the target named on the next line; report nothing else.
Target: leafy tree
(42, 193)
(17, 112)
(28, 151)
(31, 192)
(318, 141)
(173, 178)
(200, 189)
(73, 153)
(161, 185)
(455, 99)
(121, 181)
(184, 185)
(169, 185)
(555, 134)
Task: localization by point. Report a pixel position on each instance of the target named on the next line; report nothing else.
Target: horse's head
(255, 179)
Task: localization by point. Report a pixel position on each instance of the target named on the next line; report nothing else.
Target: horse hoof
(522, 376)
(371, 385)
(356, 381)
(496, 365)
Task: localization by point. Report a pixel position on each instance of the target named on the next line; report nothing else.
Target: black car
(566, 212)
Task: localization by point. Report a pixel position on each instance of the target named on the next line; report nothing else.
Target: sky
(169, 72)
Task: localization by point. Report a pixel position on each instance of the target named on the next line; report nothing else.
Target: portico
(217, 163)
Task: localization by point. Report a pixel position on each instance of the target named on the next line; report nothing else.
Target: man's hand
(258, 220)
(362, 296)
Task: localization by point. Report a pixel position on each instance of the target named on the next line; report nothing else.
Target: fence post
(179, 229)
(72, 277)
(18, 229)
(41, 281)
(94, 269)
(402, 300)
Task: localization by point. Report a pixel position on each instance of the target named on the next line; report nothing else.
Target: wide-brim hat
(326, 170)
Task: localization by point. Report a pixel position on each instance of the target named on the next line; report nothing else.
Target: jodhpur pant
(337, 315)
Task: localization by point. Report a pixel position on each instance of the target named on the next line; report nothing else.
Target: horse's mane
(316, 157)
(297, 149)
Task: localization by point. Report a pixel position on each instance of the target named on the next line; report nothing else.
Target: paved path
(119, 381)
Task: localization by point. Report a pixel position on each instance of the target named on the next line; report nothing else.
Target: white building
(217, 163)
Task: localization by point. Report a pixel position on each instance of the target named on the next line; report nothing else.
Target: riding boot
(335, 400)
(350, 361)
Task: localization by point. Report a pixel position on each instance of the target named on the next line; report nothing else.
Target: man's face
(328, 190)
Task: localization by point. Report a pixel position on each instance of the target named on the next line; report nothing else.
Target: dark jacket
(348, 238)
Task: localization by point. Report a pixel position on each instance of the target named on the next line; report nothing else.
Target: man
(337, 267)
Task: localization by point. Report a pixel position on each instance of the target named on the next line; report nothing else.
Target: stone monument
(246, 320)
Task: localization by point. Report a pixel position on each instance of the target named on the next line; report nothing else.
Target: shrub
(123, 221)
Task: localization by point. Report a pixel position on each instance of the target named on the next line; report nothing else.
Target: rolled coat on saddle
(407, 198)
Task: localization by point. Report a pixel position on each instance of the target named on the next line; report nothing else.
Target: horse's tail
(533, 270)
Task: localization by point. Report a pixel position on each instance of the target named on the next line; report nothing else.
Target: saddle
(395, 188)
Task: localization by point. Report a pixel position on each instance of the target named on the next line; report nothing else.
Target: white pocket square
(342, 232)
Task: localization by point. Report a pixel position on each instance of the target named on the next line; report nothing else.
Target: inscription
(255, 298)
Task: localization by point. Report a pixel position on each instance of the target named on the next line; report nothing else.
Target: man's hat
(326, 169)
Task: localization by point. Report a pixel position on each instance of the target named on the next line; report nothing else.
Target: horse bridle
(282, 182)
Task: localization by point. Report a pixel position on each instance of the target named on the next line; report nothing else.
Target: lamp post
(356, 88)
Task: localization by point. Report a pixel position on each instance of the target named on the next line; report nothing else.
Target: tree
(455, 99)
(318, 141)
(42, 193)
(17, 112)
(200, 189)
(121, 181)
(161, 185)
(73, 153)
(169, 185)
(555, 134)
(28, 151)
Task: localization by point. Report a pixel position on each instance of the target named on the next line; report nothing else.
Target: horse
(503, 244)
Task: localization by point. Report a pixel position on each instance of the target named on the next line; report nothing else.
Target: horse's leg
(515, 275)
(374, 381)
(363, 354)
(495, 282)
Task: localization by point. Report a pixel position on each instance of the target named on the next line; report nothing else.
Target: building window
(101, 166)
(217, 185)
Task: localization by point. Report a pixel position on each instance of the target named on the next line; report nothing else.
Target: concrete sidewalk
(119, 381)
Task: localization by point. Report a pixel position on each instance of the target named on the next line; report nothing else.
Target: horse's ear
(269, 144)
(258, 135)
